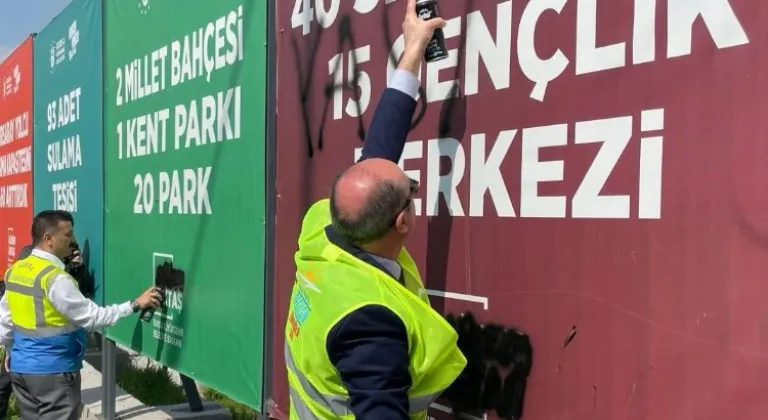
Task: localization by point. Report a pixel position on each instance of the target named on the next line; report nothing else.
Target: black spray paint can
(436, 51)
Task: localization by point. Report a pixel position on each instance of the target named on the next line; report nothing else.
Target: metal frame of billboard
(271, 193)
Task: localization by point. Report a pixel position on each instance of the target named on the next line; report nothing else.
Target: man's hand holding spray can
(436, 50)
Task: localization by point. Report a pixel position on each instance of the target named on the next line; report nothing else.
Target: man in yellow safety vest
(43, 322)
(361, 339)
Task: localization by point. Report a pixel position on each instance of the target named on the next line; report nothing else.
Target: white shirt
(65, 296)
(405, 82)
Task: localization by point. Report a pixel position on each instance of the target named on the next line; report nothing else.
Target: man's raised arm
(394, 113)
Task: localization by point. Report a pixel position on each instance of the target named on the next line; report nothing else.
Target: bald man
(361, 338)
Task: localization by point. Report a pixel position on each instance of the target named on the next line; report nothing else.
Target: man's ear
(400, 225)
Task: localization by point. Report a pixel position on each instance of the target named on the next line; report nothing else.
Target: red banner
(590, 170)
(16, 123)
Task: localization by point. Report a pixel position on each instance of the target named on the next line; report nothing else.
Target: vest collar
(336, 239)
(48, 257)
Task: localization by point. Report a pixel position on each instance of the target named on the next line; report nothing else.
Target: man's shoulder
(370, 322)
(58, 278)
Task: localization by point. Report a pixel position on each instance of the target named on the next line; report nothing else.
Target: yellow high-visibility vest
(331, 283)
(44, 340)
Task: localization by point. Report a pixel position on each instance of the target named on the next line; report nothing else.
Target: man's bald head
(366, 198)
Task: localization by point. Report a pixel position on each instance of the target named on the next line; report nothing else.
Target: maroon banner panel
(591, 173)
(16, 122)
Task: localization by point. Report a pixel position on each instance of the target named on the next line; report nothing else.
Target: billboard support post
(193, 395)
(108, 378)
(270, 150)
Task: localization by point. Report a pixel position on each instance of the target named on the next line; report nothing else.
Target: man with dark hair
(75, 265)
(78, 269)
(361, 337)
(44, 318)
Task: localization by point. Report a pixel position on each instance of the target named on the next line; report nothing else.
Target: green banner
(184, 183)
(68, 131)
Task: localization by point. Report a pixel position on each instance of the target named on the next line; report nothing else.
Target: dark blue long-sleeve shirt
(369, 346)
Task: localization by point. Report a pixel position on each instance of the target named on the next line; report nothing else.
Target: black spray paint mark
(452, 121)
(453, 114)
(499, 361)
(305, 82)
(345, 38)
(169, 278)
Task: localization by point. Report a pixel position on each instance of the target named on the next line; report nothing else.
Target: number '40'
(303, 12)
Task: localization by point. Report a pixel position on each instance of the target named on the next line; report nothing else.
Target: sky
(19, 18)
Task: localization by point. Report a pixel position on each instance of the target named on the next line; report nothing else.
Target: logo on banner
(58, 50)
(11, 247)
(11, 83)
(16, 78)
(74, 39)
(143, 7)
(167, 325)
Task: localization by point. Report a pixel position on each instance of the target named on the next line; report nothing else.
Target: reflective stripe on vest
(297, 404)
(37, 293)
(339, 406)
